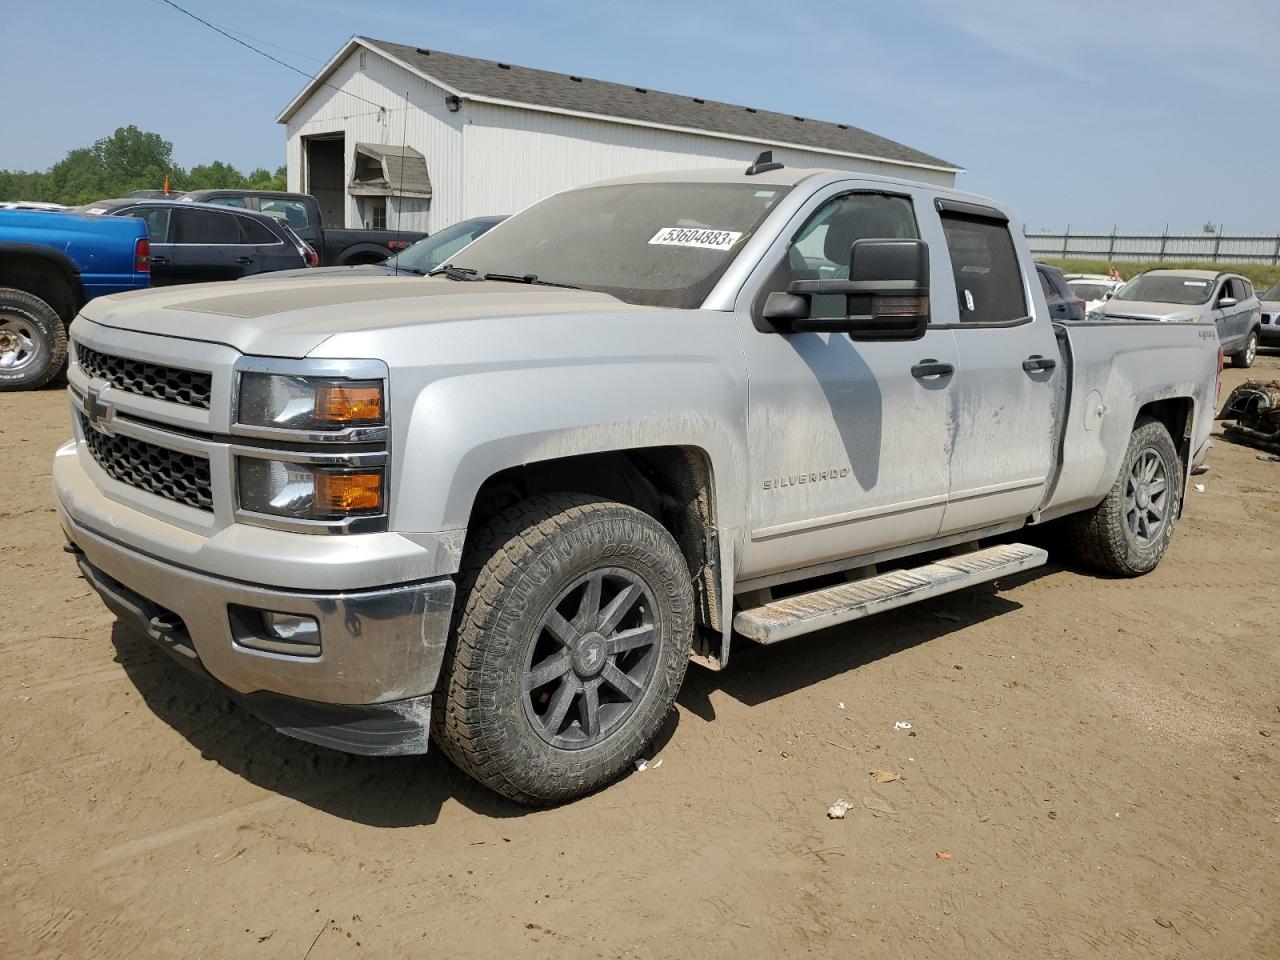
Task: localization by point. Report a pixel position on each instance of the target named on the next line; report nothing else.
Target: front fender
(464, 429)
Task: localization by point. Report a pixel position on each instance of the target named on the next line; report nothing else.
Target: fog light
(291, 627)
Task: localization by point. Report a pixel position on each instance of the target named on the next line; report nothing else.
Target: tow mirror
(886, 296)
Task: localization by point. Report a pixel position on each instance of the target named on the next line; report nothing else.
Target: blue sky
(1130, 112)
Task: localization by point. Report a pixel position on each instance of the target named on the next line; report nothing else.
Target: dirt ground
(1099, 758)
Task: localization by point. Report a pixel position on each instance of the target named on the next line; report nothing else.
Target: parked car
(198, 242)
(51, 264)
(418, 261)
(1062, 301)
(637, 424)
(1226, 300)
(31, 205)
(1269, 329)
(1093, 288)
(301, 211)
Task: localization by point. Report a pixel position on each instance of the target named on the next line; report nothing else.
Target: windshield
(1167, 288)
(1272, 294)
(657, 244)
(1087, 290)
(425, 255)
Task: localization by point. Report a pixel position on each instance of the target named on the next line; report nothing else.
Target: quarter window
(251, 231)
(985, 266)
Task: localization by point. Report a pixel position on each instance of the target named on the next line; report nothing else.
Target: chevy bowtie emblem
(97, 411)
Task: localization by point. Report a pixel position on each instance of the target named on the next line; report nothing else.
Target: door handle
(1036, 363)
(927, 369)
(244, 259)
(159, 258)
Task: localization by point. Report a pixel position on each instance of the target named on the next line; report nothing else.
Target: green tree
(128, 160)
(209, 176)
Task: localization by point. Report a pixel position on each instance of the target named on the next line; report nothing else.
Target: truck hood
(292, 317)
(1150, 310)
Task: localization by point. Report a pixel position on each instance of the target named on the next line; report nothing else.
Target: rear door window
(985, 266)
(206, 226)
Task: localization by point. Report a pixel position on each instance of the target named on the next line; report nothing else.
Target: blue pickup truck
(51, 263)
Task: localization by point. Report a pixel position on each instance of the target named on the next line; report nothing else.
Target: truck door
(1004, 400)
(849, 441)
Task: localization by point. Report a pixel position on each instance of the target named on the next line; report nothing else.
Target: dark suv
(1063, 303)
(194, 242)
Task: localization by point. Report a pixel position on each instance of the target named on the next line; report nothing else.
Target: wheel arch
(674, 484)
(48, 274)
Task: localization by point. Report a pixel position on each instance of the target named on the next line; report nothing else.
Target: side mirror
(1108, 295)
(1226, 302)
(886, 296)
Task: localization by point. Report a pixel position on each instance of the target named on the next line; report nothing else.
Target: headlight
(301, 491)
(287, 402)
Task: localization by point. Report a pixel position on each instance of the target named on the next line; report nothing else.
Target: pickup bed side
(51, 264)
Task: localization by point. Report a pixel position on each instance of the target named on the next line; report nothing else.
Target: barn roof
(508, 84)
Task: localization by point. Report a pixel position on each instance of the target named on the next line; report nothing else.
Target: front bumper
(367, 691)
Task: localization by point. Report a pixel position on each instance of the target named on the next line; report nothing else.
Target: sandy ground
(1098, 757)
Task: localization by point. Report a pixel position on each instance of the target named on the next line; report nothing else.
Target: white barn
(405, 137)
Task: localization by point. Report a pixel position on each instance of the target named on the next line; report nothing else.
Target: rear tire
(33, 341)
(571, 639)
(1129, 531)
(1248, 353)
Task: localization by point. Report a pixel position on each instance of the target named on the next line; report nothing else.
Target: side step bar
(844, 602)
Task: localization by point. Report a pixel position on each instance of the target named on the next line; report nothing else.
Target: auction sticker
(696, 237)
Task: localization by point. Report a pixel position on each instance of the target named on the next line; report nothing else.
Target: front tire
(33, 341)
(1248, 353)
(570, 643)
(1129, 531)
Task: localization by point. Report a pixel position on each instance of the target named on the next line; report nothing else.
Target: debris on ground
(878, 805)
(1166, 923)
(1255, 408)
(902, 725)
(884, 776)
(1199, 488)
(943, 854)
(838, 809)
(642, 764)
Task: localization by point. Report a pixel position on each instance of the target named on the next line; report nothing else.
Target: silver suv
(1226, 300)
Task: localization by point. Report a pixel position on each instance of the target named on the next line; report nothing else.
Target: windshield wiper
(455, 273)
(528, 278)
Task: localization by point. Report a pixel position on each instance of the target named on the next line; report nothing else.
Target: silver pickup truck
(633, 425)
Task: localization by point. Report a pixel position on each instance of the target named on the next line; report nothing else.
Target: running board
(844, 602)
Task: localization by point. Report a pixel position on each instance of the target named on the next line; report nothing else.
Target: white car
(1092, 288)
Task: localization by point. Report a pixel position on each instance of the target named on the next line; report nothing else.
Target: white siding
(491, 159)
(429, 128)
(514, 157)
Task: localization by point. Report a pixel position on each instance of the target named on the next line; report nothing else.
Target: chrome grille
(180, 477)
(173, 384)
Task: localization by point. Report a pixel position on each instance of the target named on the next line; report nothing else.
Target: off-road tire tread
(495, 560)
(1097, 536)
(55, 330)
